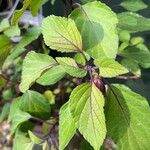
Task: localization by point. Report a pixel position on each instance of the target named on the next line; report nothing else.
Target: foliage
(55, 80)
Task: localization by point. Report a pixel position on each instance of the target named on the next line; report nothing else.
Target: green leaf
(67, 127)
(86, 105)
(35, 104)
(4, 24)
(50, 96)
(35, 5)
(132, 66)
(21, 141)
(12, 31)
(62, 34)
(141, 56)
(52, 76)
(34, 138)
(13, 108)
(33, 66)
(133, 5)
(97, 28)
(5, 111)
(5, 47)
(18, 13)
(126, 119)
(109, 67)
(133, 22)
(71, 67)
(18, 118)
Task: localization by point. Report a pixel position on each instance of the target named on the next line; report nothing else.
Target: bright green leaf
(126, 119)
(18, 13)
(71, 67)
(67, 127)
(109, 67)
(86, 105)
(97, 25)
(34, 138)
(12, 31)
(50, 96)
(35, 104)
(33, 66)
(35, 5)
(4, 24)
(133, 5)
(62, 34)
(52, 76)
(133, 22)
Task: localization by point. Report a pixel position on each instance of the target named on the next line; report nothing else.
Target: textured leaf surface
(35, 104)
(51, 76)
(33, 66)
(62, 34)
(97, 24)
(128, 125)
(109, 67)
(67, 127)
(71, 67)
(133, 22)
(86, 104)
(133, 5)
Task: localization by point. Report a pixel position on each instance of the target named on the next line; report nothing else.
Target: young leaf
(126, 118)
(133, 22)
(33, 66)
(97, 25)
(141, 56)
(86, 105)
(12, 31)
(18, 118)
(109, 67)
(133, 5)
(34, 138)
(4, 24)
(35, 104)
(67, 127)
(52, 76)
(18, 13)
(71, 67)
(62, 34)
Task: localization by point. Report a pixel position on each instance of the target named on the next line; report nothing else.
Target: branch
(128, 77)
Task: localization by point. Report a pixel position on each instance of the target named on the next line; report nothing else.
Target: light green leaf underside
(109, 67)
(86, 105)
(133, 5)
(18, 118)
(52, 76)
(97, 18)
(67, 127)
(34, 65)
(133, 22)
(61, 34)
(35, 104)
(71, 67)
(129, 126)
(21, 141)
